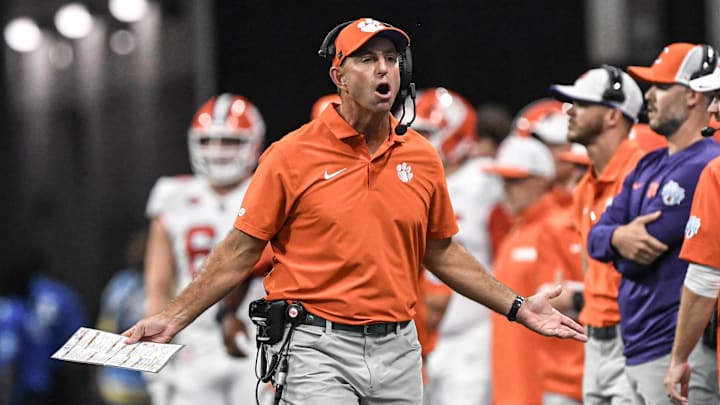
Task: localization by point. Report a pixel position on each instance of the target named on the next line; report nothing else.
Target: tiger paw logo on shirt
(404, 172)
(692, 227)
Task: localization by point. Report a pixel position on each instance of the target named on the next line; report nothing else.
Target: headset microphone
(708, 131)
(401, 129)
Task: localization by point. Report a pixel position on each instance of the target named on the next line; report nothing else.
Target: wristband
(512, 314)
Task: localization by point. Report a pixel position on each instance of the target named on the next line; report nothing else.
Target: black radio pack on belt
(271, 317)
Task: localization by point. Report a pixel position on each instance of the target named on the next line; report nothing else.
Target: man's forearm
(225, 268)
(695, 312)
(458, 269)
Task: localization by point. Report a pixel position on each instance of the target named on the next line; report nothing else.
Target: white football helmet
(225, 139)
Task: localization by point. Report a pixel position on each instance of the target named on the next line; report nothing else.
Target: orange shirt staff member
(352, 210)
(527, 168)
(701, 249)
(601, 120)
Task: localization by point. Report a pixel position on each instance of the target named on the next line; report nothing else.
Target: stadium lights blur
(22, 34)
(128, 10)
(122, 42)
(73, 21)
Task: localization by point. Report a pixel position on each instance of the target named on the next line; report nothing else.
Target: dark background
(78, 158)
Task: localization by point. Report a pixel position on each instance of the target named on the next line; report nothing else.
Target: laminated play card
(94, 346)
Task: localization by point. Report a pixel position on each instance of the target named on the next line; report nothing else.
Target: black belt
(604, 333)
(372, 329)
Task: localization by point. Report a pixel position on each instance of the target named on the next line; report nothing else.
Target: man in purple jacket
(642, 230)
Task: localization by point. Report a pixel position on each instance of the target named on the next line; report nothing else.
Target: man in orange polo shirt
(528, 169)
(560, 261)
(701, 249)
(602, 121)
(353, 205)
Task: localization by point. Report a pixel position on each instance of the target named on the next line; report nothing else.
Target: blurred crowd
(591, 188)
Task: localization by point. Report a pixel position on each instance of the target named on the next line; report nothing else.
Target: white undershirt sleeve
(703, 280)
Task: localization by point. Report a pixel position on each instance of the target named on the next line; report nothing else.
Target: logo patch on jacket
(672, 193)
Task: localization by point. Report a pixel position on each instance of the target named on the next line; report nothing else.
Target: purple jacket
(649, 296)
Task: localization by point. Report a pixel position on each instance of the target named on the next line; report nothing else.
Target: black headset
(614, 90)
(327, 52)
(708, 64)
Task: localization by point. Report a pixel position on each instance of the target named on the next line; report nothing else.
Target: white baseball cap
(593, 86)
(520, 156)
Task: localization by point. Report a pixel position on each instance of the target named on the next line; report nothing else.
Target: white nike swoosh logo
(329, 176)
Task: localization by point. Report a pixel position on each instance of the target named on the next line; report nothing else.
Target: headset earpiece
(708, 63)
(405, 65)
(327, 48)
(614, 90)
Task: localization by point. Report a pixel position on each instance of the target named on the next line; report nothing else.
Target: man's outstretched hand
(538, 315)
(157, 328)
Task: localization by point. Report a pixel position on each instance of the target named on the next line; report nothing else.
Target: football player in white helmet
(189, 215)
(458, 368)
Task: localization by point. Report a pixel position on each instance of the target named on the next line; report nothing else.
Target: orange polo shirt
(561, 361)
(592, 195)
(499, 225)
(515, 363)
(646, 138)
(702, 245)
(347, 229)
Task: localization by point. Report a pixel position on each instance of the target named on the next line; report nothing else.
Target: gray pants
(604, 379)
(704, 378)
(330, 367)
(647, 379)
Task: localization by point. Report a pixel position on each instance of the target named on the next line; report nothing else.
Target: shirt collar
(341, 129)
(615, 168)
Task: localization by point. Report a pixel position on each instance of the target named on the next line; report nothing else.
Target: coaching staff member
(353, 204)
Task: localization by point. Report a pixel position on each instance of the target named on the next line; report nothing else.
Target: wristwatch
(514, 308)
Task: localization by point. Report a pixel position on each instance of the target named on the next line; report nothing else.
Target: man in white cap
(641, 231)
(352, 205)
(701, 249)
(527, 168)
(605, 104)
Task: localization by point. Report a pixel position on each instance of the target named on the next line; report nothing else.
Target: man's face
(586, 122)
(667, 107)
(521, 193)
(372, 75)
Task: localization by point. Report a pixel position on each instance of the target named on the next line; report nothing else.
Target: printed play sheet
(94, 346)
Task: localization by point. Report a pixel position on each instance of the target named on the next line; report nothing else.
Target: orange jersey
(702, 245)
(347, 229)
(559, 259)
(592, 195)
(515, 363)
